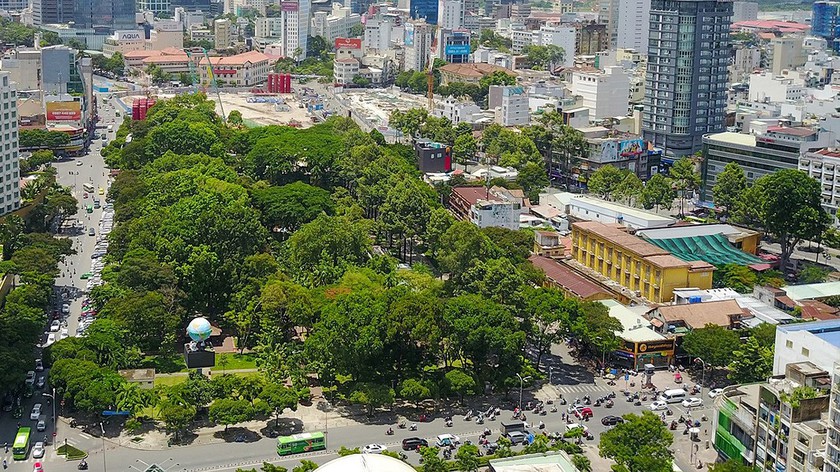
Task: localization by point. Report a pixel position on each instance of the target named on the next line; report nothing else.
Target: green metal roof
(714, 249)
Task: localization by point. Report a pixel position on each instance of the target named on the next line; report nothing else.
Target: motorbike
(413, 427)
(389, 432)
(82, 465)
(562, 401)
(609, 404)
(401, 425)
(553, 409)
(542, 425)
(673, 425)
(468, 416)
(479, 420)
(598, 402)
(449, 424)
(637, 402)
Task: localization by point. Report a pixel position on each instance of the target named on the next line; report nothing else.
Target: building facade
(633, 19)
(744, 11)
(688, 54)
(825, 22)
(335, 24)
(605, 93)
(424, 10)
(640, 267)
(10, 173)
(510, 103)
(758, 155)
(824, 167)
(418, 44)
(244, 70)
(222, 32)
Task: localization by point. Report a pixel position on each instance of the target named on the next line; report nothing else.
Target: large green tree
(714, 344)
(729, 186)
(639, 444)
(605, 180)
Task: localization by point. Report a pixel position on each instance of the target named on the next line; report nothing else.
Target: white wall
(633, 25)
(798, 346)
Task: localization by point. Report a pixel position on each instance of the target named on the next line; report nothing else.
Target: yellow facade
(635, 264)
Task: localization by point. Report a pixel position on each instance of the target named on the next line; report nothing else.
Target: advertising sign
(130, 36)
(289, 6)
(348, 43)
(631, 148)
(64, 111)
(409, 34)
(457, 49)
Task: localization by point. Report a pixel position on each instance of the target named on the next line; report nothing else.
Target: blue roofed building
(817, 342)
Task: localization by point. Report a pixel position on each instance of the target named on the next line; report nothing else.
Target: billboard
(348, 43)
(64, 111)
(457, 49)
(289, 6)
(409, 34)
(130, 35)
(631, 148)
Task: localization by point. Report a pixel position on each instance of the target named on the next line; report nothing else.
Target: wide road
(71, 173)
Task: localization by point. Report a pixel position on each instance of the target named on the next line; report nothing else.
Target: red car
(583, 412)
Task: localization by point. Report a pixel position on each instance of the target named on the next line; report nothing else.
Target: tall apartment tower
(632, 31)
(9, 171)
(297, 18)
(825, 22)
(418, 44)
(688, 54)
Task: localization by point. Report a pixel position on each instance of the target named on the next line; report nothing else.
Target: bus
(303, 442)
(87, 187)
(21, 446)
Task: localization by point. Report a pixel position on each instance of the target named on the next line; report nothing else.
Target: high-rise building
(222, 31)
(425, 9)
(825, 22)
(608, 14)
(451, 14)
(633, 19)
(334, 24)
(359, 6)
(418, 43)
(110, 14)
(688, 54)
(13, 5)
(9, 186)
(744, 11)
(155, 6)
(378, 34)
(455, 46)
(296, 18)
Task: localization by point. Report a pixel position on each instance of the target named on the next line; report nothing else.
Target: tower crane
(196, 79)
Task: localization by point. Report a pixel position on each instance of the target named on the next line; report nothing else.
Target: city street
(73, 175)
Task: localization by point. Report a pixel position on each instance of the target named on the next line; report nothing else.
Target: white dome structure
(365, 463)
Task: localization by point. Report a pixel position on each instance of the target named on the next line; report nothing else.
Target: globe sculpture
(199, 329)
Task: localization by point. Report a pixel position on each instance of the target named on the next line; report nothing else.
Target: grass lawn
(176, 379)
(71, 452)
(165, 364)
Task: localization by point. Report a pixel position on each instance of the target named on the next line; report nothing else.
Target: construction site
(375, 106)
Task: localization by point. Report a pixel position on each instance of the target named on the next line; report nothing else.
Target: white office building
(377, 35)
(451, 14)
(289, 31)
(9, 186)
(491, 213)
(633, 25)
(334, 24)
(510, 105)
(605, 93)
(418, 43)
(564, 37)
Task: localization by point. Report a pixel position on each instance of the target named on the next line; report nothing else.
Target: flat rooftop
(635, 328)
(828, 331)
(622, 209)
(812, 291)
(732, 138)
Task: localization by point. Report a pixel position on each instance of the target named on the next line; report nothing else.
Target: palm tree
(131, 398)
(582, 463)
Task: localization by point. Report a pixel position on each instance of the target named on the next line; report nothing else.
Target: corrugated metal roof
(713, 248)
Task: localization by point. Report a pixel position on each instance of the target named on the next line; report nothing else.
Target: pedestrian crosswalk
(582, 388)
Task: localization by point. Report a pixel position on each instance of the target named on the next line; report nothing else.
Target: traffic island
(71, 453)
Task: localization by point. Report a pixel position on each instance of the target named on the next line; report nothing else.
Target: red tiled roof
(792, 131)
(567, 278)
(470, 194)
(239, 59)
(771, 25)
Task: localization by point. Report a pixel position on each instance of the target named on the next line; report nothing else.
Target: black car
(411, 444)
(611, 420)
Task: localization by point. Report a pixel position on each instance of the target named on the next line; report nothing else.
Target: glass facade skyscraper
(425, 9)
(111, 14)
(686, 81)
(825, 23)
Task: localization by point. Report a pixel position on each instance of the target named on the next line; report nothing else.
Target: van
(675, 395)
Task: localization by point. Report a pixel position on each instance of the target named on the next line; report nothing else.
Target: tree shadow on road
(284, 427)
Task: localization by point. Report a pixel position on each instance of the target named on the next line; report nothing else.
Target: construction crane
(196, 79)
(430, 72)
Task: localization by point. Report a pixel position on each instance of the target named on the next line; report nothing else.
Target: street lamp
(703, 377)
(521, 381)
(55, 428)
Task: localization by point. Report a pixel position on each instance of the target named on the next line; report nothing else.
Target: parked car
(39, 384)
(447, 439)
(55, 326)
(39, 365)
(30, 378)
(411, 444)
(715, 392)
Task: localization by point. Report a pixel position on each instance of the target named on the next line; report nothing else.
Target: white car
(38, 450)
(65, 308)
(65, 332)
(374, 449)
(447, 439)
(50, 340)
(55, 326)
(36, 412)
(658, 405)
(715, 392)
(692, 402)
(41, 426)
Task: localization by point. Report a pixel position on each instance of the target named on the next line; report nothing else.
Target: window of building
(789, 344)
(805, 352)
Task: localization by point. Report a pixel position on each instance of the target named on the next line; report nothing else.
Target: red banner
(348, 43)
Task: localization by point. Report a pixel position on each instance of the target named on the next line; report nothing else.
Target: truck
(507, 428)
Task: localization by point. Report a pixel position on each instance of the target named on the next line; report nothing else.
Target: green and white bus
(303, 442)
(21, 446)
